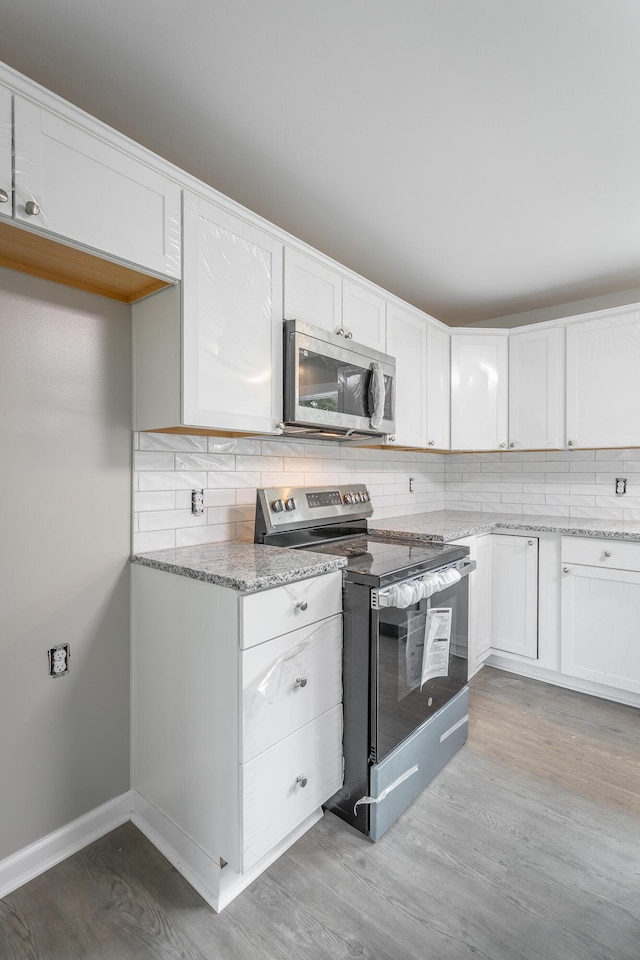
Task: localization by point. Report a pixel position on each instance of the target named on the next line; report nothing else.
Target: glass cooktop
(383, 557)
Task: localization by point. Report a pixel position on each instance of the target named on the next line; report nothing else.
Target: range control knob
(346, 498)
(277, 506)
(290, 504)
(366, 497)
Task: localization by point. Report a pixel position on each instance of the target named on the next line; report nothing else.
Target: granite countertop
(447, 525)
(243, 566)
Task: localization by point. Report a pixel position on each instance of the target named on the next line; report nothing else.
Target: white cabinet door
(313, 291)
(603, 400)
(364, 314)
(600, 636)
(514, 595)
(92, 193)
(536, 389)
(438, 388)
(407, 342)
(6, 134)
(232, 321)
(479, 600)
(479, 396)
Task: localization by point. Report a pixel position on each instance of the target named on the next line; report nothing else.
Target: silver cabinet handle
(301, 780)
(606, 553)
(4, 196)
(302, 605)
(566, 569)
(301, 682)
(31, 208)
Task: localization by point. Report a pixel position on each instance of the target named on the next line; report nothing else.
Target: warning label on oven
(437, 640)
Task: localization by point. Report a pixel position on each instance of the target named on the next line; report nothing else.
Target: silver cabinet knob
(570, 443)
(4, 196)
(301, 780)
(341, 332)
(349, 335)
(606, 553)
(432, 443)
(502, 445)
(301, 682)
(31, 208)
(530, 542)
(512, 444)
(302, 605)
(566, 569)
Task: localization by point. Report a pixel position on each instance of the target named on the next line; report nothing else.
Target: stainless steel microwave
(333, 386)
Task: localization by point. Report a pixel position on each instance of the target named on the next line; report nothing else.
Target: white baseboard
(218, 886)
(33, 860)
(534, 672)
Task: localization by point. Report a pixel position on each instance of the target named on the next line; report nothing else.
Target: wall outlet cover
(59, 660)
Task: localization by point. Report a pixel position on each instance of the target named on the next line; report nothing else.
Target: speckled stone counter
(247, 567)
(447, 525)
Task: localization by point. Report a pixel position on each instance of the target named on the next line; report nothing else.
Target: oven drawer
(273, 612)
(273, 800)
(289, 681)
(598, 552)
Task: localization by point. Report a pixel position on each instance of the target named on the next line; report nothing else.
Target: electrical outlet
(197, 502)
(411, 483)
(621, 486)
(59, 660)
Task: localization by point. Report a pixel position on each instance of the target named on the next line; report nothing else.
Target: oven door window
(401, 700)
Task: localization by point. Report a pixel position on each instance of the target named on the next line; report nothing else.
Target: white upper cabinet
(407, 342)
(86, 190)
(6, 205)
(313, 291)
(479, 397)
(603, 400)
(438, 388)
(364, 314)
(316, 293)
(232, 321)
(536, 389)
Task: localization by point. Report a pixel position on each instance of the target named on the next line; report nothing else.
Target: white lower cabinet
(514, 595)
(479, 601)
(600, 604)
(237, 739)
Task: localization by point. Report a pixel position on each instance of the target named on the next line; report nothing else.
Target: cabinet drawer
(273, 801)
(289, 681)
(273, 612)
(618, 554)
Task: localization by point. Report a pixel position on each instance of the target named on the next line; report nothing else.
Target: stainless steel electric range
(405, 661)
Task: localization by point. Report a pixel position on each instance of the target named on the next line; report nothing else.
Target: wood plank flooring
(526, 847)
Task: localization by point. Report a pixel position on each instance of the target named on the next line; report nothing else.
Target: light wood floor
(526, 847)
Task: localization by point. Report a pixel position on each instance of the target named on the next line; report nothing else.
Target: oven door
(340, 386)
(419, 662)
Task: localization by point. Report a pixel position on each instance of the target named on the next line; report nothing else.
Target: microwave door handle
(376, 395)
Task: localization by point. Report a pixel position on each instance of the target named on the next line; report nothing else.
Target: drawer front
(289, 681)
(273, 801)
(598, 552)
(283, 609)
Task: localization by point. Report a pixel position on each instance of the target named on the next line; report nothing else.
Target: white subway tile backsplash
(553, 483)
(153, 460)
(171, 441)
(163, 480)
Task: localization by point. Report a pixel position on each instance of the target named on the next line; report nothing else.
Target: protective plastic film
(405, 594)
(289, 681)
(5, 153)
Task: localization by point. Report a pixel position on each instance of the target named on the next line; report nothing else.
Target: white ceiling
(476, 157)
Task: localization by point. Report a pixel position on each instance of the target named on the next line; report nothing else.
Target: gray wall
(560, 310)
(65, 461)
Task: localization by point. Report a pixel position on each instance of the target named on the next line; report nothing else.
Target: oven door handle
(376, 395)
(423, 587)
